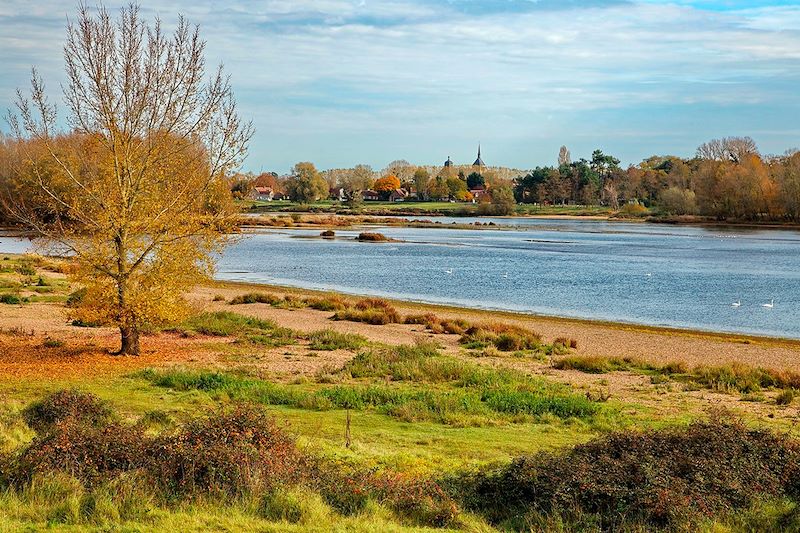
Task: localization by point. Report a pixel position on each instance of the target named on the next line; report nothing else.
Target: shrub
(232, 452)
(372, 237)
(327, 303)
(348, 489)
(661, 478)
(328, 234)
(90, 453)
(504, 337)
(785, 398)
(52, 343)
(66, 405)
(328, 339)
(255, 297)
(10, 299)
(218, 298)
(376, 311)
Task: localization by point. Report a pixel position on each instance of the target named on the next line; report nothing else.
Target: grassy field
(427, 414)
(422, 208)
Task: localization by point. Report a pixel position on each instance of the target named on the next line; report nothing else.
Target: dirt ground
(37, 341)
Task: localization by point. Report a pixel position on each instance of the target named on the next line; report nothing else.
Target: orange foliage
(387, 183)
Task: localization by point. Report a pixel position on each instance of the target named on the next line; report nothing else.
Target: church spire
(479, 162)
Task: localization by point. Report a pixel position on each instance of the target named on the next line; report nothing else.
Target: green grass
(328, 339)
(468, 394)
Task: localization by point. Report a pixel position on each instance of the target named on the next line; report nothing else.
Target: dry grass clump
(255, 298)
(504, 337)
(456, 326)
(566, 342)
(327, 303)
(376, 311)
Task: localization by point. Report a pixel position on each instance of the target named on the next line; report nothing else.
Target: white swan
(448, 271)
(505, 275)
(770, 305)
(737, 303)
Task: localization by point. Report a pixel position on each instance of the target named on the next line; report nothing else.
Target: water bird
(448, 271)
(770, 305)
(737, 303)
(505, 274)
(649, 274)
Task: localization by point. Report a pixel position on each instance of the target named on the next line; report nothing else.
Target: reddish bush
(662, 477)
(347, 489)
(231, 452)
(89, 453)
(61, 406)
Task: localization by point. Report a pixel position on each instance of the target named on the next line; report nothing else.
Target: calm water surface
(638, 273)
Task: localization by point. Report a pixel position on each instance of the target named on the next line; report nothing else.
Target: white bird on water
(505, 274)
(737, 303)
(770, 305)
(649, 274)
(448, 271)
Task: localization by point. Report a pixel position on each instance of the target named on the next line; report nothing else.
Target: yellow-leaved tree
(137, 191)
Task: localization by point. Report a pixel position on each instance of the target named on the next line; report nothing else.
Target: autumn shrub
(328, 339)
(328, 234)
(234, 451)
(372, 237)
(659, 478)
(348, 488)
(66, 406)
(376, 311)
(90, 453)
(504, 337)
(76, 298)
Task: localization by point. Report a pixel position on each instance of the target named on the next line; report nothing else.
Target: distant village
(400, 181)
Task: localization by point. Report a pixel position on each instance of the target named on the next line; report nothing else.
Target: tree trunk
(130, 341)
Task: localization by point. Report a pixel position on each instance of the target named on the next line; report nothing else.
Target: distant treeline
(727, 179)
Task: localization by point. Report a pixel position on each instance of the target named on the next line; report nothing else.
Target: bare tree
(733, 149)
(137, 192)
(564, 157)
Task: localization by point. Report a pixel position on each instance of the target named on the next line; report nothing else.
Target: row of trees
(727, 178)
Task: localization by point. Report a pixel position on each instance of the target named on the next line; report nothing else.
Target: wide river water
(649, 274)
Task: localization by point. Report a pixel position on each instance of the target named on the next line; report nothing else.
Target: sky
(344, 82)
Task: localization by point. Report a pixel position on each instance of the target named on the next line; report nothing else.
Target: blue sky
(342, 82)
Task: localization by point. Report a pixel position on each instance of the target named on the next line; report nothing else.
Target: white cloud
(338, 69)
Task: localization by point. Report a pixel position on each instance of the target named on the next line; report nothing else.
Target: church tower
(479, 162)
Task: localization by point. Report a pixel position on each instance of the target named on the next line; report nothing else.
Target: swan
(649, 274)
(737, 303)
(505, 275)
(770, 305)
(448, 271)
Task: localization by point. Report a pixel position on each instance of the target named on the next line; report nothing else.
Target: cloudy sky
(341, 82)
